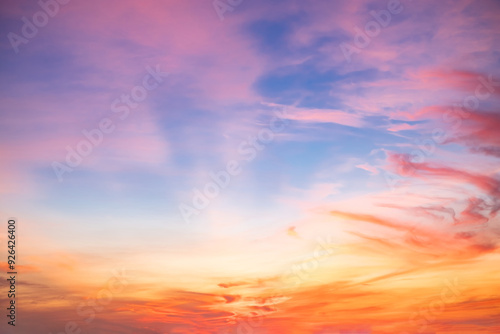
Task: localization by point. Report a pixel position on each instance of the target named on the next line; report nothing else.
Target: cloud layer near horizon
(373, 209)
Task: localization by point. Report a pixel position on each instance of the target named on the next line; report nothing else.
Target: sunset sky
(251, 166)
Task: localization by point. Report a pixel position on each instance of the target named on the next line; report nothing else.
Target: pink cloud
(405, 167)
(402, 127)
(369, 168)
(324, 116)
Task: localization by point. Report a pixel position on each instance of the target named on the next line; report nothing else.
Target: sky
(251, 167)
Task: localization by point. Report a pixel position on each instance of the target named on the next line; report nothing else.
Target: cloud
(403, 164)
(232, 284)
(325, 116)
(369, 168)
(291, 232)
